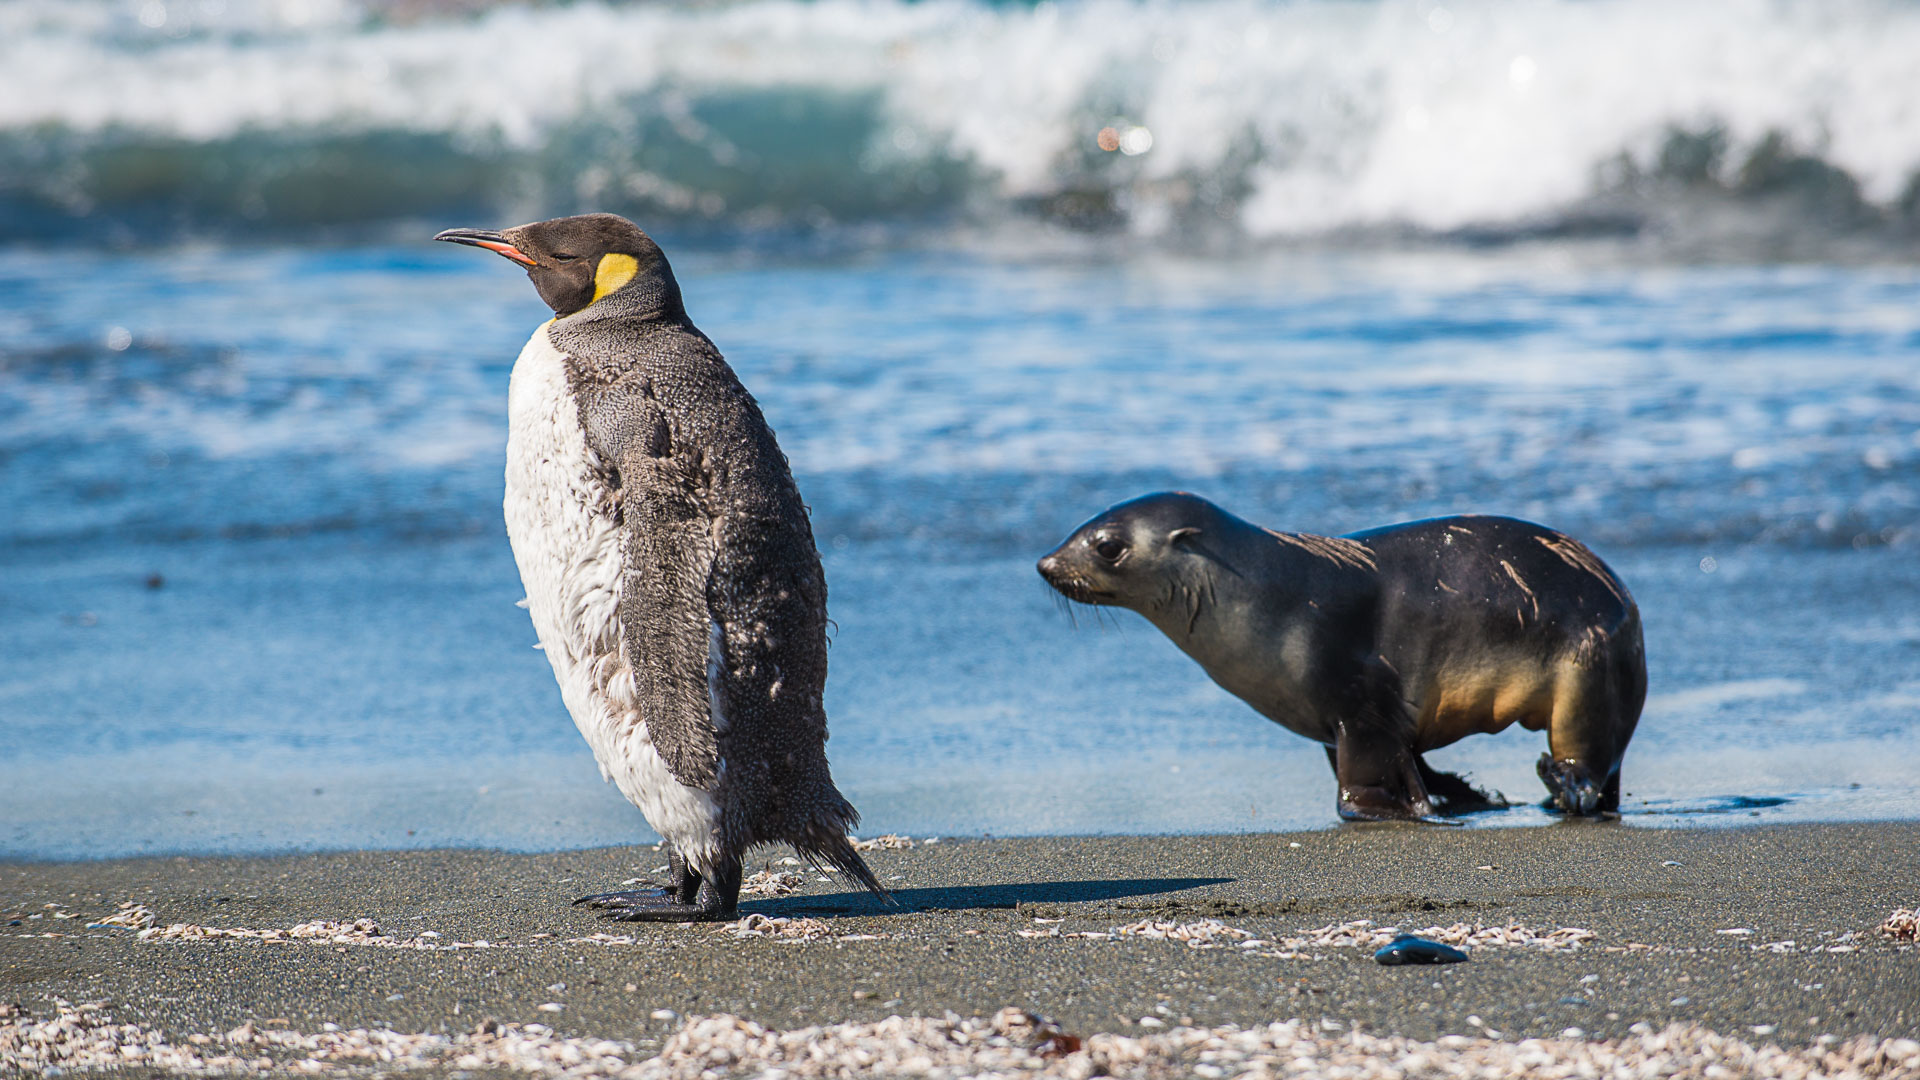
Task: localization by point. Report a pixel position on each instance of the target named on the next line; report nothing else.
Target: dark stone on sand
(1407, 949)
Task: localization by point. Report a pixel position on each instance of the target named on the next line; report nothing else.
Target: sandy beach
(1586, 936)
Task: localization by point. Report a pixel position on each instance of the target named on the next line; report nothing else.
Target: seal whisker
(1065, 606)
(1072, 605)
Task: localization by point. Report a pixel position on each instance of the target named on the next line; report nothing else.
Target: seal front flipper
(1377, 776)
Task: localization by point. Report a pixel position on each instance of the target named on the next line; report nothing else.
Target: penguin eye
(1109, 549)
(557, 257)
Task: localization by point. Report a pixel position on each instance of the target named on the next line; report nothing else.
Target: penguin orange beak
(484, 238)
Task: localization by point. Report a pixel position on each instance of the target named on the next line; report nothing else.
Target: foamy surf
(1258, 117)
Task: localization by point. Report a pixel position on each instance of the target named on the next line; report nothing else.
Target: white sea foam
(1289, 117)
(1708, 697)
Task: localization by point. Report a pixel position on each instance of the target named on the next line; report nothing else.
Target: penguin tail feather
(834, 849)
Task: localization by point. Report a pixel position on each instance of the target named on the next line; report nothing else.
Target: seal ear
(1180, 534)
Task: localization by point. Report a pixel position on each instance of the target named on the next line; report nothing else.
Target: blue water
(1643, 270)
(302, 448)
(1689, 124)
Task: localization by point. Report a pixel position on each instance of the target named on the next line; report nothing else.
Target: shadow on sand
(973, 897)
(1708, 804)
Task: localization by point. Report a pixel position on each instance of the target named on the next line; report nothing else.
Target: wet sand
(1812, 896)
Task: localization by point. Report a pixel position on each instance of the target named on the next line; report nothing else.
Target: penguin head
(578, 261)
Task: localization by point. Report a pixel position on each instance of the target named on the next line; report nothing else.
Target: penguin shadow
(972, 897)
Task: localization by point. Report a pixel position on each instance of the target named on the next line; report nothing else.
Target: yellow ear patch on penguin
(614, 271)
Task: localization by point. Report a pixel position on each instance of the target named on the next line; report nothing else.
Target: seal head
(1127, 556)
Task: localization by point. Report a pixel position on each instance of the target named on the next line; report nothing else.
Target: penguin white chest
(562, 520)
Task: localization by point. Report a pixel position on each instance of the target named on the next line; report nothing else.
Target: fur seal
(670, 568)
(1387, 643)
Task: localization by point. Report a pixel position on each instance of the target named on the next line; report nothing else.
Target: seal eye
(1109, 549)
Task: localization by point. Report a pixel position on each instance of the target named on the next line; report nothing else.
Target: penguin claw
(653, 905)
(667, 912)
(626, 899)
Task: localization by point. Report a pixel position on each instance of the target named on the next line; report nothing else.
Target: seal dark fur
(1388, 643)
(721, 601)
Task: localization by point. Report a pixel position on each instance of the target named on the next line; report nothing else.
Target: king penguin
(669, 566)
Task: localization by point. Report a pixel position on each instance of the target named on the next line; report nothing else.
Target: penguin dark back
(1385, 644)
(670, 568)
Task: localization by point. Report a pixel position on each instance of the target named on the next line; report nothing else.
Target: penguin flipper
(663, 611)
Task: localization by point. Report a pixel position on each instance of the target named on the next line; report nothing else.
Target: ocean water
(1362, 264)
(1680, 121)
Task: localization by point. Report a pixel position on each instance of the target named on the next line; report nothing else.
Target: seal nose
(1049, 565)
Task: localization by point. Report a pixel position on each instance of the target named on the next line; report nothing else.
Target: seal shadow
(1709, 804)
(972, 897)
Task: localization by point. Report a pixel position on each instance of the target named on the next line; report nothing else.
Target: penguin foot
(691, 898)
(669, 911)
(629, 898)
(649, 905)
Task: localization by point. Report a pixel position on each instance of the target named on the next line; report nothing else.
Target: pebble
(1407, 949)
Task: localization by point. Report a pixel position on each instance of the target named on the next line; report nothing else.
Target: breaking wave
(1256, 118)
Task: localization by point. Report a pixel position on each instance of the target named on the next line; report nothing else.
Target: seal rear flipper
(1574, 791)
(1453, 794)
